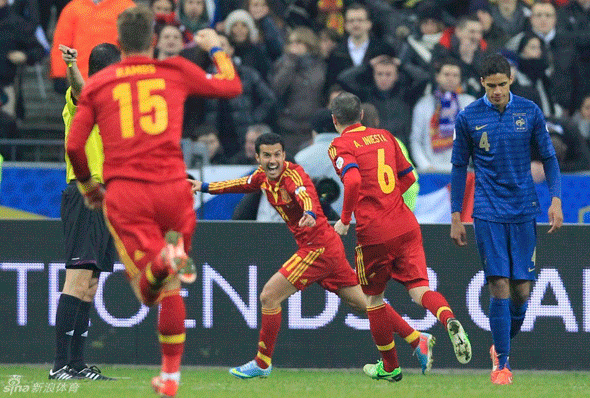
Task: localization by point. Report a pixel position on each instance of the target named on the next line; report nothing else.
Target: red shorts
(326, 265)
(401, 258)
(140, 213)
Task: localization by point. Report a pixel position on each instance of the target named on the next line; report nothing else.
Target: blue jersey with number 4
(500, 145)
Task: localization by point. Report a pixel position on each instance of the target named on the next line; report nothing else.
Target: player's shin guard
(517, 314)
(500, 326)
(402, 328)
(382, 331)
(438, 305)
(171, 333)
(269, 330)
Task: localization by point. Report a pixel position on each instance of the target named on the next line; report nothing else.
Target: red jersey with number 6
(380, 212)
(138, 105)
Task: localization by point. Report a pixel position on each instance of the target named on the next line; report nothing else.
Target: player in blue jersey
(497, 132)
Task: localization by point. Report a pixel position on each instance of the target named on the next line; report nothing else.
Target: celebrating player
(138, 106)
(320, 258)
(375, 174)
(497, 132)
(89, 245)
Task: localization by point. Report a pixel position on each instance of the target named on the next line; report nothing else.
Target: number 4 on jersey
(483, 142)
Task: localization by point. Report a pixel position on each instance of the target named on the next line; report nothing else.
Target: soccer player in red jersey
(138, 107)
(320, 257)
(375, 174)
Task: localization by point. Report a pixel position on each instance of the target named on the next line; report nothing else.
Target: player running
(320, 258)
(375, 174)
(138, 106)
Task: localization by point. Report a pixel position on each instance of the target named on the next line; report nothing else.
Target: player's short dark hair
(268, 139)
(101, 56)
(135, 27)
(493, 64)
(346, 108)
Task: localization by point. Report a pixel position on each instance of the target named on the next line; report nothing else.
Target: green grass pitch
(297, 383)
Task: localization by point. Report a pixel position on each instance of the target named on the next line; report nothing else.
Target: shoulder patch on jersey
(299, 190)
(339, 162)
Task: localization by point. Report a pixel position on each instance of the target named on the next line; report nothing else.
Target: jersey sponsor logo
(477, 128)
(339, 162)
(519, 121)
(299, 190)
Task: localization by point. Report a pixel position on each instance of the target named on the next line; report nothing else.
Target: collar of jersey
(354, 128)
(132, 59)
(275, 183)
(488, 103)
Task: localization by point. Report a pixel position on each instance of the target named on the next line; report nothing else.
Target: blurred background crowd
(414, 63)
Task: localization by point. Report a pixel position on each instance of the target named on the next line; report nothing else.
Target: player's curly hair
(135, 28)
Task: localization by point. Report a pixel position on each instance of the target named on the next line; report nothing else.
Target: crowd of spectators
(415, 61)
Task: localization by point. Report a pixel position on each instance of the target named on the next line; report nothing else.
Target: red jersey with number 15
(138, 105)
(380, 212)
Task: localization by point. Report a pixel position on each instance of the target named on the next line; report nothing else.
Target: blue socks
(500, 321)
(517, 316)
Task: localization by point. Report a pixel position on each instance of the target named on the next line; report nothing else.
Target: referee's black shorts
(89, 245)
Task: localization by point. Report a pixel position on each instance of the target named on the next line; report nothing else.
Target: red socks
(381, 325)
(152, 279)
(438, 305)
(171, 331)
(402, 328)
(270, 325)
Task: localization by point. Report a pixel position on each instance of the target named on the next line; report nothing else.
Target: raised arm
(225, 83)
(70, 56)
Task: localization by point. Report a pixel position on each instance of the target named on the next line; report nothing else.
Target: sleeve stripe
(294, 176)
(307, 203)
(404, 172)
(217, 186)
(332, 152)
(224, 65)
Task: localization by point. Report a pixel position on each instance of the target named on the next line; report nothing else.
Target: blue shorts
(507, 249)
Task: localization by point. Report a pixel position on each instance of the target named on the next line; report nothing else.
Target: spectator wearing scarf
(433, 121)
